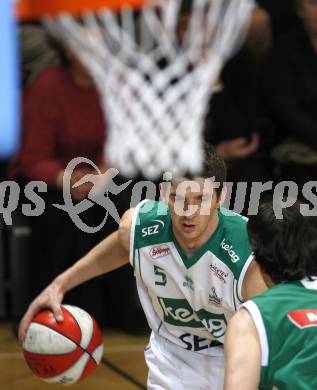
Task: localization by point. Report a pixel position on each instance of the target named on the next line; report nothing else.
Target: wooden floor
(122, 367)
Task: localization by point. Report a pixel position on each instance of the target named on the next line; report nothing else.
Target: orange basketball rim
(35, 9)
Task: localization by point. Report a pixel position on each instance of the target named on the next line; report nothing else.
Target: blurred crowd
(262, 120)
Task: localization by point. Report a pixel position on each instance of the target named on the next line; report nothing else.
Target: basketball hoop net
(155, 71)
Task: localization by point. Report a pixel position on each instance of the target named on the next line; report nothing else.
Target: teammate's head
(194, 200)
(286, 248)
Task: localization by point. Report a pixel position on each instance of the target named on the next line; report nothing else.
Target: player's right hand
(50, 298)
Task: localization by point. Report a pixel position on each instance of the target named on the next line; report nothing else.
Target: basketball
(63, 352)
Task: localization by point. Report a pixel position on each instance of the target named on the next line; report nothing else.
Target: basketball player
(193, 266)
(271, 342)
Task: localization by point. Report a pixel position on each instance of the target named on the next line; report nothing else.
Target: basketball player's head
(214, 167)
(194, 200)
(285, 248)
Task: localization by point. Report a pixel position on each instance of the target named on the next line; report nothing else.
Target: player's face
(193, 206)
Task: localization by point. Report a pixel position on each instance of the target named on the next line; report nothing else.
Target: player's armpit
(253, 283)
(242, 353)
(125, 228)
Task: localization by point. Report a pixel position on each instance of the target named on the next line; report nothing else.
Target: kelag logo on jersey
(153, 229)
(229, 248)
(160, 251)
(303, 318)
(178, 312)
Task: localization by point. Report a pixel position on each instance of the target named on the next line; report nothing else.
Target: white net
(155, 72)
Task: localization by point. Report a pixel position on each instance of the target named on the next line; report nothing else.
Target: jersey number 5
(161, 276)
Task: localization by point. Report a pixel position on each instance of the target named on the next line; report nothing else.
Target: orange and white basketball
(63, 352)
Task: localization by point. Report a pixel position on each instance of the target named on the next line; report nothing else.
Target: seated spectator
(37, 51)
(232, 124)
(259, 38)
(282, 14)
(289, 91)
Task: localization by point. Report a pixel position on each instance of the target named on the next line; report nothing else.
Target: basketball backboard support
(9, 76)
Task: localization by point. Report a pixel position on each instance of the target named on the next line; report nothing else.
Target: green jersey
(286, 320)
(189, 301)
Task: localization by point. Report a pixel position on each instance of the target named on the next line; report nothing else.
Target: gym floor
(122, 366)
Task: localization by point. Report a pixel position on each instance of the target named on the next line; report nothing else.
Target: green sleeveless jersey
(286, 320)
(188, 301)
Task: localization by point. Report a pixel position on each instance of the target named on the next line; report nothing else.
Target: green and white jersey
(286, 319)
(189, 301)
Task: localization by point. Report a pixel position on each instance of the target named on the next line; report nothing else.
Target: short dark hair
(286, 248)
(214, 166)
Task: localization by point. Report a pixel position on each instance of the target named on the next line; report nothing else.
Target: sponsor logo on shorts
(160, 251)
(213, 298)
(229, 248)
(197, 343)
(219, 273)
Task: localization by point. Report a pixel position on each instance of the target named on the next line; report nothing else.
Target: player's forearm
(103, 258)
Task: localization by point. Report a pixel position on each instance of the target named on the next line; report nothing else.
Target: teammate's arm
(108, 255)
(253, 282)
(242, 353)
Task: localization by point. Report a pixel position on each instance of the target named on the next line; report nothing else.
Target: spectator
(282, 14)
(289, 91)
(36, 51)
(259, 37)
(232, 124)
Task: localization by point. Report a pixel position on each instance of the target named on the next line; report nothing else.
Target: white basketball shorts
(174, 368)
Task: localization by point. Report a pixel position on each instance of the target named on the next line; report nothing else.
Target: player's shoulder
(242, 320)
(151, 223)
(232, 219)
(141, 223)
(127, 218)
(230, 243)
(124, 230)
(234, 226)
(280, 290)
(234, 235)
(151, 210)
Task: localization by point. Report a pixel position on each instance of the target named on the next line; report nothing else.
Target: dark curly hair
(286, 248)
